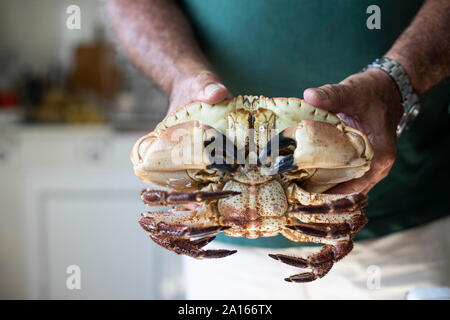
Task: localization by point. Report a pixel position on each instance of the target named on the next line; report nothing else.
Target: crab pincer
(309, 144)
(190, 145)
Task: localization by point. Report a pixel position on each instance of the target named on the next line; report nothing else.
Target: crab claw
(309, 144)
(273, 147)
(163, 157)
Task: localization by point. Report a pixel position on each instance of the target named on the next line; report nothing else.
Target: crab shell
(271, 161)
(328, 152)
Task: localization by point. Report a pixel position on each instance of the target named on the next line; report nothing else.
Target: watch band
(410, 100)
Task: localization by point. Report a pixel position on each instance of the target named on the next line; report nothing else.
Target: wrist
(417, 82)
(190, 67)
(387, 91)
(409, 98)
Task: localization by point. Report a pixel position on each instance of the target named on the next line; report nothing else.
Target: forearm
(157, 38)
(424, 47)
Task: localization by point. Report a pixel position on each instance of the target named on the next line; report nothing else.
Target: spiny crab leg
(163, 198)
(320, 203)
(332, 231)
(201, 242)
(169, 230)
(189, 248)
(341, 204)
(319, 263)
(153, 225)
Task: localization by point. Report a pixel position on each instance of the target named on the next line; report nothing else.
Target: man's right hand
(202, 86)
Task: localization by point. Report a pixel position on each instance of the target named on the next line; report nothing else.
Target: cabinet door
(90, 246)
(80, 206)
(95, 233)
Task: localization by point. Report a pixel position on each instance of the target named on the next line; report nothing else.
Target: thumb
(331, 97)
(209, 88)
(214, 93)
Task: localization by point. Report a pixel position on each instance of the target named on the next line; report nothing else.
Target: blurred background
(71, 107)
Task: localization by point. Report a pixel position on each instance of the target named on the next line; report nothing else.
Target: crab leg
(345, 204)
(189, 248)
(332, 231)
(319, 263)
(172, 231)
(320, 203)
(201, 242)
(154, 225)
(162, 198)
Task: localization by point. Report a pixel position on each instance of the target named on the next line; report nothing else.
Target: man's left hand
(369, 102)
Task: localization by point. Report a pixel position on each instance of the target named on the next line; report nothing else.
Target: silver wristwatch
(410, 100)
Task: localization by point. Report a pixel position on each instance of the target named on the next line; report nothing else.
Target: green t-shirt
(278, 48)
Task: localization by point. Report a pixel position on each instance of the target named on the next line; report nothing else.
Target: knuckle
(386, 161)
(206, 76)
(390, 161)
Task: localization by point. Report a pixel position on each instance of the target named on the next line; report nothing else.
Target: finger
(214, 93)
(204, 86)
(357, 185)
(331, 97)
(208, 87)
(363, 184)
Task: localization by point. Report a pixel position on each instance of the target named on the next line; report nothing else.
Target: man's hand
(203, 86)
(370, 102)
(160, 41)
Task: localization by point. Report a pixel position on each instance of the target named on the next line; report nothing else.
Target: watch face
(407, 119)
(413, 112)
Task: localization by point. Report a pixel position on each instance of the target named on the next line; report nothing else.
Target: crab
(253, 167)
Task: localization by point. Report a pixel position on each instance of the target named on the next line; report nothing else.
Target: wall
(37, 29)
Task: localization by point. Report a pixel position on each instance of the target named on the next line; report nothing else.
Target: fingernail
(210, 89)
(322, 95)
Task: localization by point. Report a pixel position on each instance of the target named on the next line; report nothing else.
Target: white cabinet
(69, 197)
